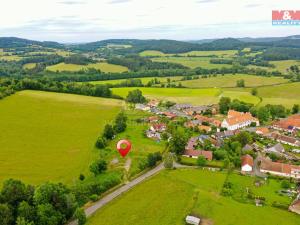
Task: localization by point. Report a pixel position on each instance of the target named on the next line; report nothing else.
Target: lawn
(103, 66)
(192, 62)
(230, 81)
(171, 195)
(50, 136)
(179, 95)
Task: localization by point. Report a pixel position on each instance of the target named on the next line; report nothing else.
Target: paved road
(99, 204)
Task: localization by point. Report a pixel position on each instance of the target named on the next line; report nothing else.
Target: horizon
(82, 21)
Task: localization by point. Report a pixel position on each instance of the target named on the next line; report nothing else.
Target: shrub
(98, 167)
(80, 216)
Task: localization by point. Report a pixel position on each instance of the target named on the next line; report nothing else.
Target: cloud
(252, 5)
(206, 1)
(71, 2)
(118, 1)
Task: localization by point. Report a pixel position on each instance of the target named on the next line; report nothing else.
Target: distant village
(276, 154)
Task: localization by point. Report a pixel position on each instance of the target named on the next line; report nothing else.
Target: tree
(23, 221)
(295, 109)
(168, 161)
(254, 91)
(285, 184)
(26, 211)
(244, 138)
(80, 216)
(98, 167)
(120, 123)
(59, 197)
(178, 142)
(240, 83)
(108, 132)
(81, 177)
(135, 96)
(152, 158)
(224, 104)
(47, 215)
(263, 114)
(101, 143)
(6, 215)
(201, 161)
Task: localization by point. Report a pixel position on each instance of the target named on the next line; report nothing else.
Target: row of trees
(46, 204)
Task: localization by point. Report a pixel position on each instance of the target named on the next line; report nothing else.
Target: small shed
(192, 220)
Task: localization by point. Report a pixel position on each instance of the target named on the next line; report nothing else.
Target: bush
(101, 143)
(285, 184)
(80, 216)
(98, 167)
(94, 197)
(201, 161)
(81, 177)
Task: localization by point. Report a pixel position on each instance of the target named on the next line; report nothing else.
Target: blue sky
(91, 20)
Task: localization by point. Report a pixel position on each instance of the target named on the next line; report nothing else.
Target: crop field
(171, 195)
(192, 62)
(144, 80)
(153, 53)
(283, 65)
(179, 95)
(230, 81)
(103, 66)
(50, 136)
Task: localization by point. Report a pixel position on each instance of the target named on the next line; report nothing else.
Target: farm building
(280, 169)
(247, 163)
(236, 120)
(196, 153)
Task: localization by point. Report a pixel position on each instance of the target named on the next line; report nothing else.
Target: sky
(71, 21)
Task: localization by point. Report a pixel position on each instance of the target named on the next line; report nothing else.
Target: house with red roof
(289, 124)
(196, 153)
(247, 163)
(236, 120)
(280, 169)
(158, 127)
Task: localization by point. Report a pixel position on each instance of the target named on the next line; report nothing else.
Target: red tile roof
(207, 154)
(247, 160)
(235, 117)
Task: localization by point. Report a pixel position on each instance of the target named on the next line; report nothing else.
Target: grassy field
(171, 195)
(29, 66)
(283, 65)
(224, 53)
(50, 136)
(10, 58)
(144, 80)
(230, 81)
(179, 95)
(192, 62)
(103, 66)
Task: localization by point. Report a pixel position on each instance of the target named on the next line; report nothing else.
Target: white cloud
(89, 20)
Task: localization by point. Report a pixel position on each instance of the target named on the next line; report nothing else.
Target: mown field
(179, 95)
(192, 62)
(50, 136)
(230, 81)
(170, 196)
(103, 66)
(193, 96)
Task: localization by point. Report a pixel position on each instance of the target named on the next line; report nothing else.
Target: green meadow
(223, 53)
(50, 136)
(10, 58)
(144, 80)
(230, 81)
(29, 66)
(103, 66)
(170, 196)
(179, 95)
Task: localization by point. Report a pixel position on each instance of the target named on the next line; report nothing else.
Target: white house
(192, 220)
(247, 163)
(236, 120)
